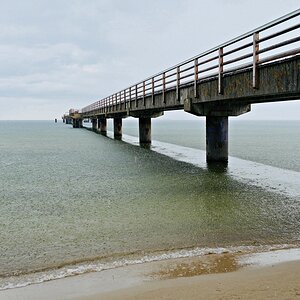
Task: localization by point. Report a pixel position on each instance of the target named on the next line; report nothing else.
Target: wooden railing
(273, 41)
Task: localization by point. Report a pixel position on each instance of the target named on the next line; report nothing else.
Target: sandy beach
(276, 282)
(270, 275)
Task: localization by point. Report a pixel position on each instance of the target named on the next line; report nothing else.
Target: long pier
(262, 65)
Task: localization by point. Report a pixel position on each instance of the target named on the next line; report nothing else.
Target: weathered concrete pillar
(216, 125)
(94, 124)
(117, 127)
(216, 138)
(145, 130)
(77, 123)
(102, 126)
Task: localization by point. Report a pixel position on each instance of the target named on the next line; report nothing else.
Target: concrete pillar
(216, 138)
(94, 124)
(77, 123)
(145, 130)
(117, 127)
(102, 126)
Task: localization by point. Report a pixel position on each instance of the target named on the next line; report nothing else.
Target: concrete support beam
(146, 114)
(102, 126)
(217, 109)
(145, 130)
(117, 127)
(216, 139)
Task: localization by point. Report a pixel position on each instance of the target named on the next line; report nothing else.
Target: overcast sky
(59, 54)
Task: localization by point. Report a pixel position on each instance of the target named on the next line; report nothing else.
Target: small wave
(98, 266)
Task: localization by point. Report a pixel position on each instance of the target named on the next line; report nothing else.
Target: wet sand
(222, 276)
(278, 282)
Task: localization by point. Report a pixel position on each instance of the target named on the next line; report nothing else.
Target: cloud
(72, 53)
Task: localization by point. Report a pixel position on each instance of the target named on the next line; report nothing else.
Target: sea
(73, 201)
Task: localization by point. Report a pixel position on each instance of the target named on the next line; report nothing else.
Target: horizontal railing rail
(249, 50)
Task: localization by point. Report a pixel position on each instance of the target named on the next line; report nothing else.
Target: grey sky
(59, 54)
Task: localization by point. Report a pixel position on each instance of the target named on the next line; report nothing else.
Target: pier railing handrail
(204, 66)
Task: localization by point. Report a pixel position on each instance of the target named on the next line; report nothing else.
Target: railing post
(152, 88)
(136, 96)
(220, 83)
(177, 83)
(255, 59)
(130, 98)
(125, 99)
(120, 104)
(144, 92)
(196, 78)
(164, 86)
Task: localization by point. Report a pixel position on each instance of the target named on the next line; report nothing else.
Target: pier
(260, 66)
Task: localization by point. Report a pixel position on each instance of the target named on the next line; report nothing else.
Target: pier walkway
(262, 65)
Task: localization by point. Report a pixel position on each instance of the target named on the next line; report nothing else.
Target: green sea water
(71, 199)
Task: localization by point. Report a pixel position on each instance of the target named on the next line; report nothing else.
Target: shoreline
(100, 265)
(280, 281)
(200, 277)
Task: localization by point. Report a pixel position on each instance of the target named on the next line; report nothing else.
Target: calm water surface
(72, 201)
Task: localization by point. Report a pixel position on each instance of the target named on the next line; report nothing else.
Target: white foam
(97, 266)
(271, 258)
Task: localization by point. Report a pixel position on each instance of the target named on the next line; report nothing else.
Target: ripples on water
(70, 196)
